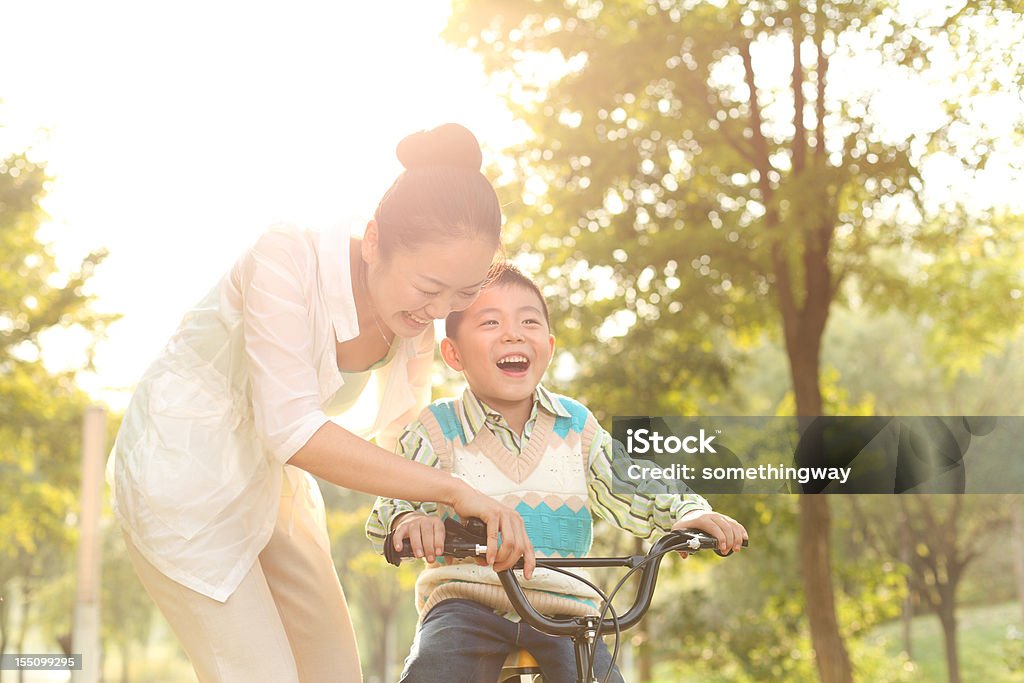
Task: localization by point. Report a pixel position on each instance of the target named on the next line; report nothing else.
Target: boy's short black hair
(504, 274)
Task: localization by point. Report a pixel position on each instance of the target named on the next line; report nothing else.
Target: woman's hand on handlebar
(425, 534)
(499, 519)
(729, 533)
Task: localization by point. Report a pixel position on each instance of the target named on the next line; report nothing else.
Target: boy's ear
(551, 346)
(370, 246)
(450, 354)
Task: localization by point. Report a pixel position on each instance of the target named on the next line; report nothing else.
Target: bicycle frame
(585, 630)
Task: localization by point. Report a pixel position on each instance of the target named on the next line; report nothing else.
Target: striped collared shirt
(638, 513)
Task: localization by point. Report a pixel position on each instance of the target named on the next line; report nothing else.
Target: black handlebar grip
(459, 541)
(390, 554)
(476, 527)
(718, 552)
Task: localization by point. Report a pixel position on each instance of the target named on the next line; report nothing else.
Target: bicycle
(470, 541)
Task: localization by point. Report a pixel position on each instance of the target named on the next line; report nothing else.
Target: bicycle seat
(519, 667)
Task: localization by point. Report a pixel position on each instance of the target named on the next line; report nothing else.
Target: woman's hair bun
(447, 145)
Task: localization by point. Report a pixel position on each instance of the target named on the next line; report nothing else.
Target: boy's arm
(613, 498)
(414, 444)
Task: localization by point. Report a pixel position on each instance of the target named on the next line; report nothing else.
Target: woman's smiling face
(412, 288)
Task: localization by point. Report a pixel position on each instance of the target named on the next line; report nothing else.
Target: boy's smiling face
(502, 345)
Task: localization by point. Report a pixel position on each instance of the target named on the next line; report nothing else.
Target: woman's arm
(275, 291)
(342, 458)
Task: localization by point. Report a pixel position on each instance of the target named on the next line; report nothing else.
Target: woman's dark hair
(441, 195)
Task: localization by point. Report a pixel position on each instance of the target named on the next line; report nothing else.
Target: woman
(223, 523)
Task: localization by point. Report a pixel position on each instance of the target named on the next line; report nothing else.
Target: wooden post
(86, 634)
(1018, 545)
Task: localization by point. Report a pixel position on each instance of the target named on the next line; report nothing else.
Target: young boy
(543, 454)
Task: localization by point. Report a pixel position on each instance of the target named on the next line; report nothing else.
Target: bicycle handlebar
(461, 542)
(682, 540)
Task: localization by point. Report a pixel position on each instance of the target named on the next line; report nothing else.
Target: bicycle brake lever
(695, 540)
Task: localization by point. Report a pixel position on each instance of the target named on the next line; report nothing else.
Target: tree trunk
(831, 657)
(907, 609)
(947, 616)
(816, 569)
(3, 632)
(937, 573)
(19, 644)
(644, 661)
(3, 628)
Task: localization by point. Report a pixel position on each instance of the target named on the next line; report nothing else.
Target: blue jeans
(461, 641)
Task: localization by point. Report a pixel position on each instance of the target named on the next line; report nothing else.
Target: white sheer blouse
(243, 384)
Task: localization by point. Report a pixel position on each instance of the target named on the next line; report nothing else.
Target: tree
(697, 175)
(40, 411)
(935, 540)
(945, 535)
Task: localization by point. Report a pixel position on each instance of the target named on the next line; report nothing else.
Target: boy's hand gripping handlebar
(459, 541)
(471, 541)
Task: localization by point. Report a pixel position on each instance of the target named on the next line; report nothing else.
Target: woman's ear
(450, 354)
(370, 244)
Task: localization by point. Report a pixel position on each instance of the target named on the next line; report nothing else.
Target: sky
(177, 133)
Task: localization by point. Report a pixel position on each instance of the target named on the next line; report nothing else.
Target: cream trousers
(287, 622)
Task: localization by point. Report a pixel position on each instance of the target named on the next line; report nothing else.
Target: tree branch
(762, 163)
(800, 132)
(819, 105)
(783, 276)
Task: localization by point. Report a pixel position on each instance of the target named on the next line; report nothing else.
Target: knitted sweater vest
(546, 484)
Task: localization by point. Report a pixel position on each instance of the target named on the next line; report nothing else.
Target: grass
(987, 654)
(985, 650)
